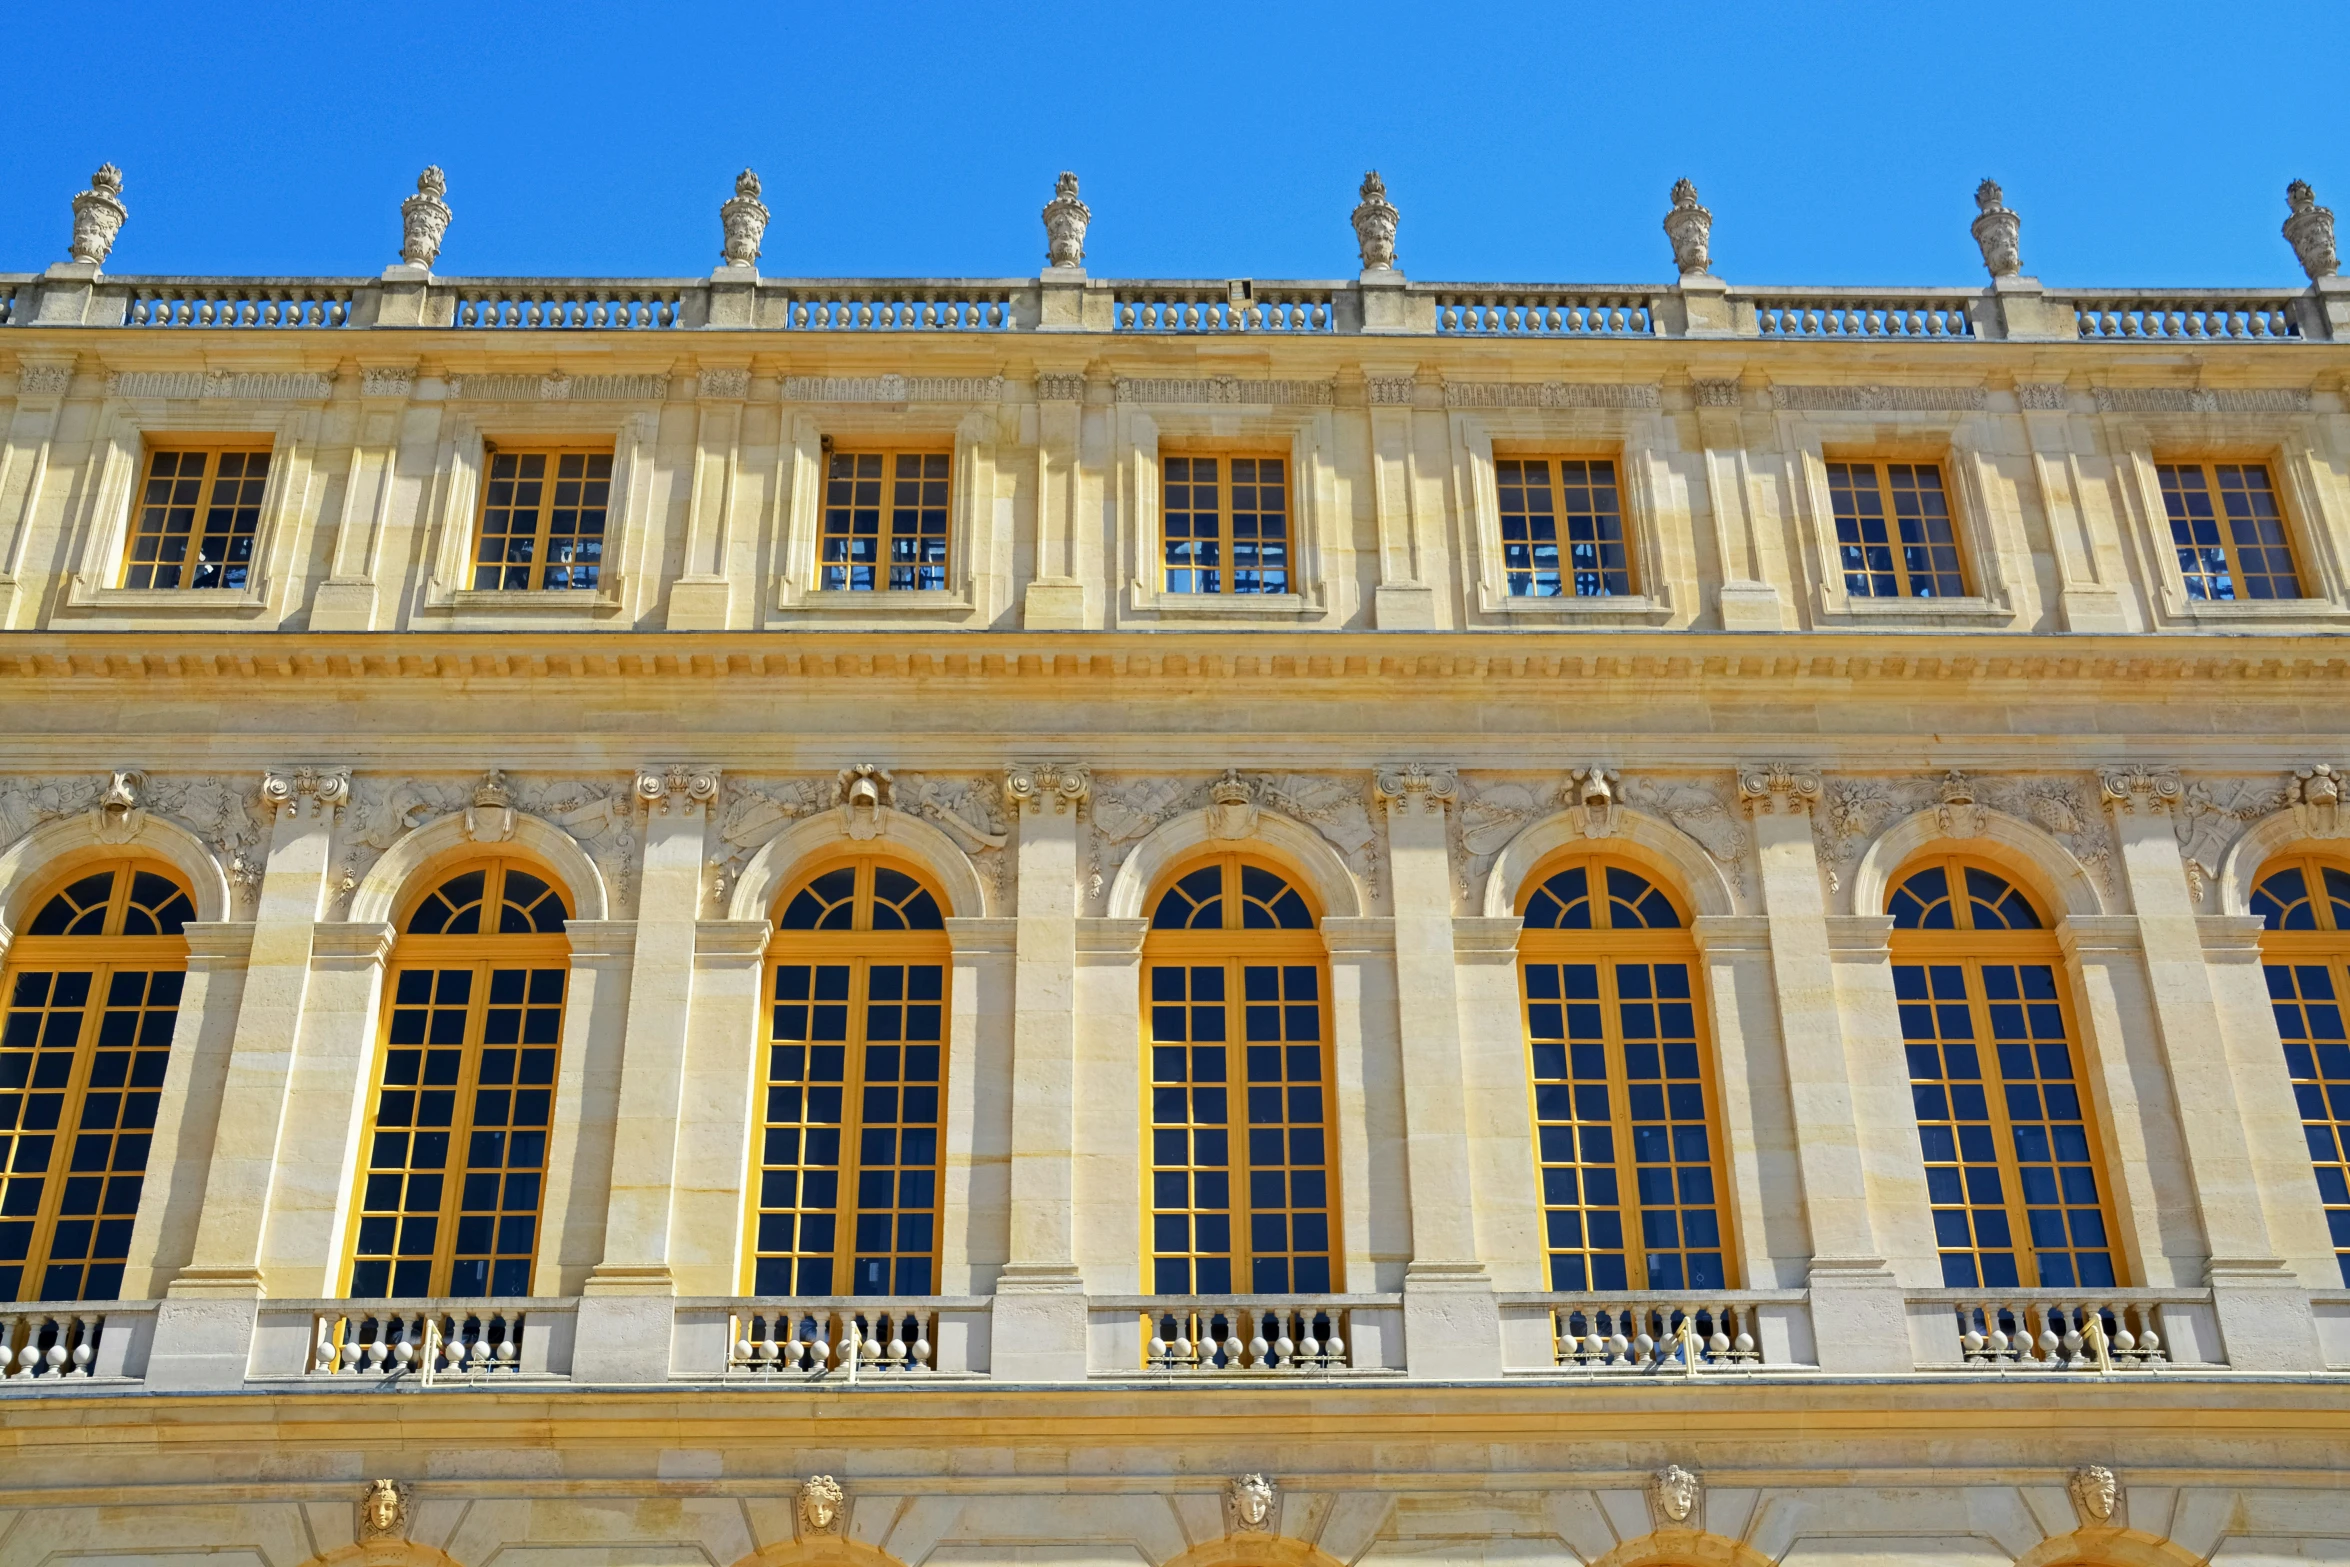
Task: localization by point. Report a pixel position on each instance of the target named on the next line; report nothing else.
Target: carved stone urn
(1065, 218)
(424, 218)
(1997, 231)
(2310, 231)
(98, 215)
(743, 218)
(1690, 227)
(1375, 220)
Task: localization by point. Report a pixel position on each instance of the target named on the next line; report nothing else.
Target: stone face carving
(1690, 227)
(822, 1506)
(1675, 1497)
(383, 1511)
(742, 222)
(1065, 784)
(1252, 1505)
(1997, 231)
(2310, 231)
(98, 215)
(1065, 220)
(1375, 220)
(1776, 786)
(2096, 1494)
(424, 218)
(862, 792)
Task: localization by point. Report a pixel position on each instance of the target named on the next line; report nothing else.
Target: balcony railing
(470, 1340)
(2097, 1331)
(1684, 1333)
(46, 1346)
(1181, 307)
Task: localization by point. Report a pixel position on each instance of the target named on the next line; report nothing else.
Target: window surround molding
(975, 588)
(127, 429)
(2141, 444)
(1989, 537)
(1299, 436)
(1627, 440)
(452, 513)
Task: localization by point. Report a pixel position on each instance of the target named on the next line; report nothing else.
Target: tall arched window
(1239, 1086)
(93, 992)
(1625, 1136)
(2012, 1170)
(2307, 954)
(849, 1157)
(457, 1137)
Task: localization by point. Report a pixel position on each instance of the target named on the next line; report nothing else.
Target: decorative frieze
(557, 387)
(383, 381)
(2199, 400)
(1399, 391)
(1055, 388)
(2041, 396)
(893, 389)
(43, 380)
(1551, 394)
(1492, 812)
(1853, 811)
(1877, 399)
(272, 385)
(1122, 812)
(1714, 394)
(721, 384)
(1222, 391)
(225, 813)
(600, 816)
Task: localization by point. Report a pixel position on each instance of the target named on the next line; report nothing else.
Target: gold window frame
(542, 536)
(2326, 945)
(1163, 572)
(214, 447)
(1971, 949)
(2208, 460)
(884, 563)
(1879, 460)
(858, 948)
(1553, 458)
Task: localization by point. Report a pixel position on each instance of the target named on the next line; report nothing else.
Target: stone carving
(753, 814)
(1550, 394)
(276, 386)
(1997, 231)
(861, 792)
(121, 808)
(601, 818)
(1854, 810)
(2314, 795)
(2310, 231)
(1774, 786)
(1232, 807)
(1690, 227)
(1124, 813)
(556, 387)
(1416, 788)
(2127, 788)
(424, 218)
(327, 789)
(1252, 1505)
(689, 789)
(1122, 816)
(1061, 388)
(230, 816)
(98, 215)
(1223, 390)
(1698, 811)
(382, 382)
(2048, 396)
(1398, 391)
(43, 380)
(1878, 399)
(1591, 797)
(1675, 1498)
(742, 222)
(2096, 1494)
(822, 1506)
(1027, 787)
(1065, 218)
(1375, 220)
(2205, 824)
(726, 383)
(383, 1511)
(2199, 400)
(893, 389)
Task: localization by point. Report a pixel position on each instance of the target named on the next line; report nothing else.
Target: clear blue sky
(2143, 143)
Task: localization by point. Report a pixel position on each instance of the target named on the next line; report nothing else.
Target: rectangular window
(458, 1155)
(1226, 527)
(885, 522)
(542, 520)
(2229, 532)
(1562, 528)
(849, 1162)
(197, 518)
(1893, 532)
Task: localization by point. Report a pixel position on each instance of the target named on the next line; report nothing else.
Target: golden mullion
(477, 1001)
(846, 1202)
(2011, 1175)
(1241, 1205)
(77, 1086)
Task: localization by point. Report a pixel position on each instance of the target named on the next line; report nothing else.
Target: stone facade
(1046, 733)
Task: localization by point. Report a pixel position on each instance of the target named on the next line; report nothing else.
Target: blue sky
(2143, 143)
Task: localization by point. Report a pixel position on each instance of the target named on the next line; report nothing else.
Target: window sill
(1620, 607)
(529, 605)
(1926, 611)
(792, 600)
(1223, 606)
(171, 603)
(2221, 612)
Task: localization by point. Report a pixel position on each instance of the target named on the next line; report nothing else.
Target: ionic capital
(1778, 786)
(1067, 784)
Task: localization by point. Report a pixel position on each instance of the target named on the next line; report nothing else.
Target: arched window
(93, 993)
(2012, 1170)
(849, 1162)
(1239, 1085)
(1626, 1144)
(457, 1137)
(2307, 952)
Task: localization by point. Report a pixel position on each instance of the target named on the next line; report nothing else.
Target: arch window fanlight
(1627, 1144)
(450, 1194)
(846, 1196)
(2306, 954)
(1236, 989)
(93, 990)
(2013, 1175)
